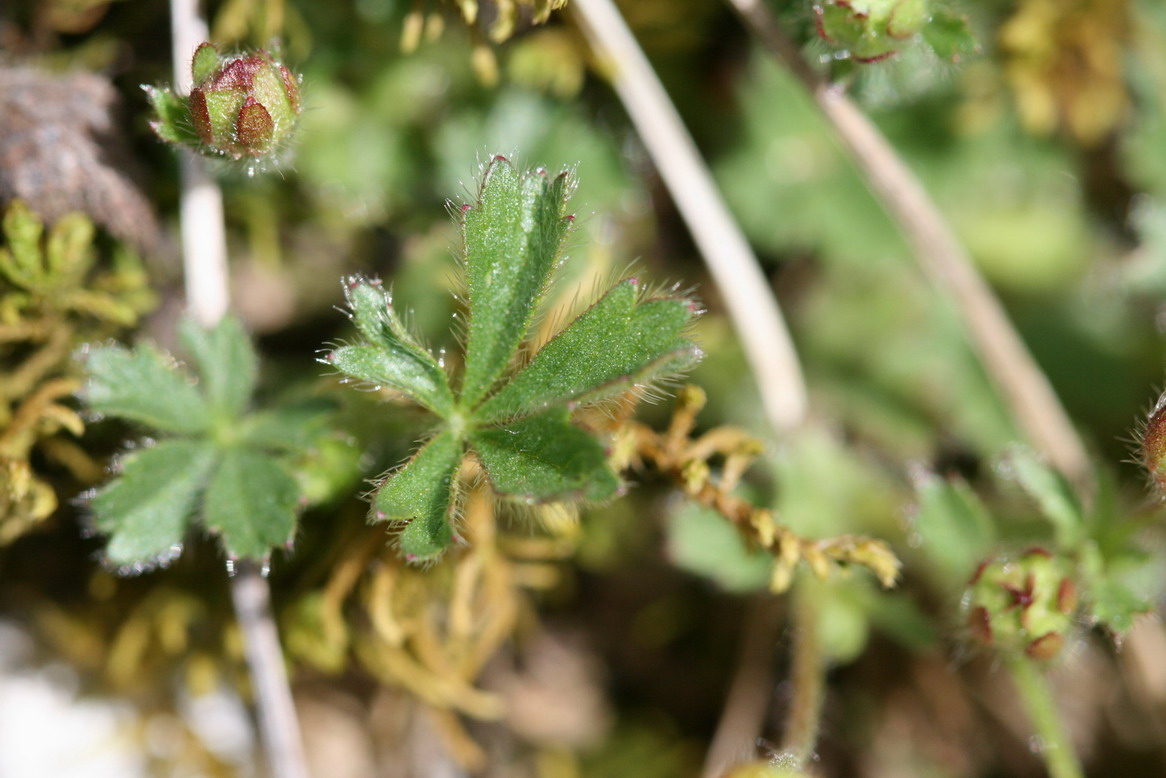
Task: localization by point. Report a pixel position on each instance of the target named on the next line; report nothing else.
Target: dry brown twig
(1025, 389)
(675, 454)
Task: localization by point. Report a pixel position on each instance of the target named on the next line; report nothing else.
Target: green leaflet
(146, 508)
(173, 122)
(545, 457)
(1051, 492)
(612, 346)
(293, 426)
(142, 386)
(421, 494)
(949, 36)
(391, 356)
(513, 236)
(953, 524)
(227, 364)
(251, 503)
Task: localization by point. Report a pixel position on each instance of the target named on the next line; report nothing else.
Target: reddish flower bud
(242, 107)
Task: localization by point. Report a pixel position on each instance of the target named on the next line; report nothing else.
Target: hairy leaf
(146, 509)
(391, 356)
(173, 123)
(513, 236)
(142, 386)
(227, 364)
(421, 493)
(251, 503)
(545, 457)
(612, 346)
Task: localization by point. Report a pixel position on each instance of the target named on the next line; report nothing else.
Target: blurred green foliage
(1046, 150)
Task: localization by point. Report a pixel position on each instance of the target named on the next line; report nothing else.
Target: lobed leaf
(251, 503)
(142, 386)
(612, 346)
(391, 356)
(421, 494)
(146, 508)
(544, 457)
(228, 366)
(513, 236)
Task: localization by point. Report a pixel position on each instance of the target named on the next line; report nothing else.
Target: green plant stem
(251, 596)
(1034, 405)
(751, 306)
(1054, 747)
(808, 676)
(751, 690)
(204, 254)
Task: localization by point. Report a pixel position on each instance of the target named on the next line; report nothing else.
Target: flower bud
(1022, 605)
(242, 106)
(870, 30)
(1154, 446)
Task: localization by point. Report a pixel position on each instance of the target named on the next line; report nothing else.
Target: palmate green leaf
(146, 508)
(421, 494)
(612, 346)
(390, 356)
(227, 364)
(251, 503)
(142, 386)
(544, 457)
(513, 236)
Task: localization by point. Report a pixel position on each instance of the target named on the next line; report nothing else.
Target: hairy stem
(1052, 742)
(204, 254)
(1034, 405)
(750, 692)
(752, 306)
(808, 677)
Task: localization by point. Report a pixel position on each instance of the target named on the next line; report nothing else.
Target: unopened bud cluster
(241, 106)
(870, 30)
(1023, 605)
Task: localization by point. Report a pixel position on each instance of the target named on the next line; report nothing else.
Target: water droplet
(784, 760)
(265, 568)
(1036, 744)
(231, 567)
